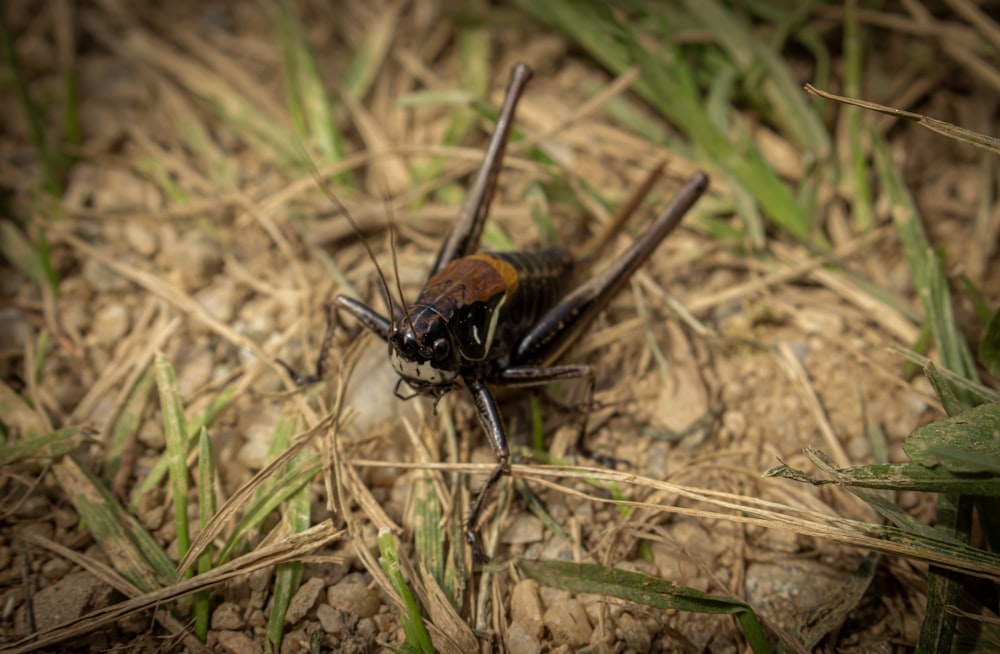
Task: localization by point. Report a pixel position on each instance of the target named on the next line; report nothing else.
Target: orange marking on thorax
(507, 271)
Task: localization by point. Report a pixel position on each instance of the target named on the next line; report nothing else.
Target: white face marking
(421, 371)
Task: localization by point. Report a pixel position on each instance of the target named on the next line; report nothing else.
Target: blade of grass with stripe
(53, 163)
(892, 477)
(128, 423)
(272, 494)
(989, 346)
(645, 590)
(417, 638)
(288, 576)
(131, 549)
(308, 103)
(51, 445)
(174, 430)
(204, 419)
(928, 276)
(206, 509)
(31, 259)
(428, 536)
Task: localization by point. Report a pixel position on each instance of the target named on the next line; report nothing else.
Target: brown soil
(738, 361)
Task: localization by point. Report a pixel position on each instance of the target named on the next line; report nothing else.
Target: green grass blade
(894, 477)
(131, 550)
(51, 445)
(30, 260)
(174, 432)
(206, 509)
(204, 419)
(928, 275)
(963, 444)
(785, 101)
(667, 83)
(643, 589)
(417, 638)
(945, 587)
(857, 166)
(48, 159)
(128, 423)
(308, 102)
(989, 346)
(288, 576)
(428, 536)
(281, 491)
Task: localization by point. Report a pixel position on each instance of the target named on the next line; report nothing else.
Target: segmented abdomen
(543, 278)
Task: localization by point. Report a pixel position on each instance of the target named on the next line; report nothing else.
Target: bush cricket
(503, 319)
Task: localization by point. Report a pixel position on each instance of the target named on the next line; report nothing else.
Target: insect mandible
(503, 319)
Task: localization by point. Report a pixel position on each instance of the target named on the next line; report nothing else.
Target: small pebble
(635, 634)
(303, 600)
(567, 621)
(256, 318)
(14, 329)
(110, 323)
(194, 370)
(735, 423)
(819, 321)
(367, 628)
(519, 640)
(151, 435)
(198, 258)
(331, 619)
(219, 300)
(524, 528)
(260, 421)
(140, 238)
(101, 278)
(35, 506)
(352, 595)
(526, 608)
(55, 569)
(228, 616)
(234, 642)
(68, 599)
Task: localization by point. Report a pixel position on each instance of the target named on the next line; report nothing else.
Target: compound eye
(441, 349)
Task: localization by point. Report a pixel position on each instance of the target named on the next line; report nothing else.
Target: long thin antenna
(395, 265)
(354, 225)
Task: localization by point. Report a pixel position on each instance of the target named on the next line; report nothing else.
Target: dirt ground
(176, 234)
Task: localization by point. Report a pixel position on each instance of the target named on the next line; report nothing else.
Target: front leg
(369, 318)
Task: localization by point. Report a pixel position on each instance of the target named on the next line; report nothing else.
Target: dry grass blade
(292, 548)
(988, 143)
(131, 549)
(238, 500)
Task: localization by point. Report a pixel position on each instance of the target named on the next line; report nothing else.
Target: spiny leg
(492, 423)
(528, 376)
(560, 327)
(322, 360)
